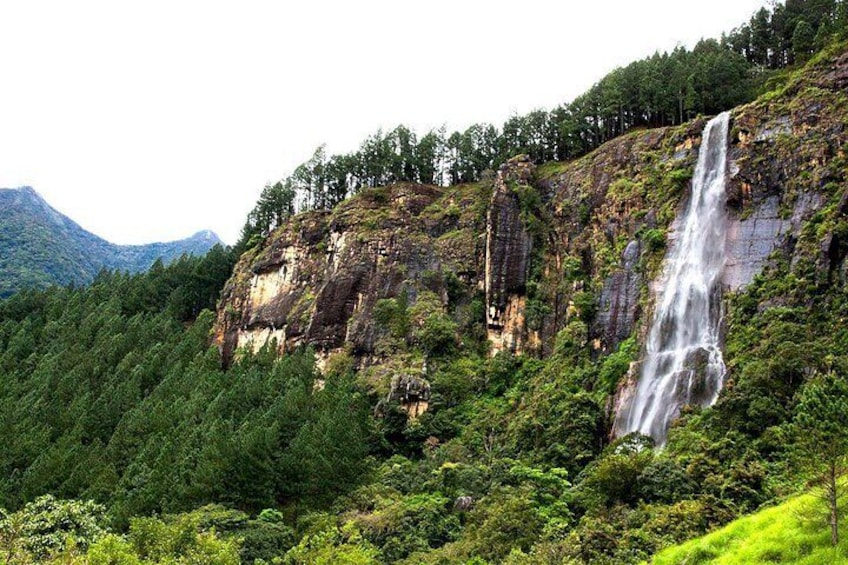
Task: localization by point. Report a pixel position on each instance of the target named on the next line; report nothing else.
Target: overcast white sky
(149, 121)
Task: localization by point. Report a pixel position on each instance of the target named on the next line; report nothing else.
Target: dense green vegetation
(111, 393)
(125, 440)
(108, 396)
(40, 247)
(787, 533)
(788, 33)
(105, 367)
(66, 531)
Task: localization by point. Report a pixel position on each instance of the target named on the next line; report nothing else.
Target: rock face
(274, 291)
(317, 280)
(786, 167)
(530, 250)
(751, 240)
(508, 249)
(609, 214)
(411, 393)
(618, 307)
(786, 163)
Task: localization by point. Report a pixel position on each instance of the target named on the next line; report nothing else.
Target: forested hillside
(40, 247)
(428, 371)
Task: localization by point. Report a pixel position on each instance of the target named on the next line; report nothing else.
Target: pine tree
(803, 39)
(821, 438)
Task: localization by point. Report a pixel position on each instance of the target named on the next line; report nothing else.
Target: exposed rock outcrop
(605, 206)
(594, 237)
(785, 165)
(317, 279)
(618, 307)
(786, 168)
(411, 393)
(508, 248)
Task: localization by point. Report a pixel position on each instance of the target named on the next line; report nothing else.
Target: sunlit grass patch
(796, 531)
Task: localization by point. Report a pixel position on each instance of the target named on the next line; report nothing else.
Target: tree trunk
(834, 517)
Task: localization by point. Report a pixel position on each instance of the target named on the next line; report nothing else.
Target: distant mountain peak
(41, 246)
(26, 197)
(206, 235)
(22, 191)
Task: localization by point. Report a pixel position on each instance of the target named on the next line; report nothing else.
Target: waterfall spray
(683, 363)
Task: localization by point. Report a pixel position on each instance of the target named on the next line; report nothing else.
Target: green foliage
(111, 396)
(782, 534)
(654, 239)
(821, 421)
(613, 478)
(438, 334)
(400, 526)
(535, 312)
(178, 540)
(332, 546)
(173, 540)
(456, 382)
(47, 527)
(821, 438)
(664, 89)
(803, 41)
(529, 205)
(509, 520)
(113, 550)
(432, 328)
(616, 365)
(571, 341)
(265, 537)
(558, 427)
(392, 314)
(788, 32)
(586, 304)
(40, 247)
(113, 393)
(275, 205)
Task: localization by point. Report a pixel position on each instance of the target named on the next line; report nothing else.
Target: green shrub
(438, 334)
(654, 240)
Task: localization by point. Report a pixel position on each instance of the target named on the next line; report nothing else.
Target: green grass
(546, 171)
(796, 531)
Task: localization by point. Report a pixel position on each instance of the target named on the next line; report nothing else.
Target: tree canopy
(664, 89)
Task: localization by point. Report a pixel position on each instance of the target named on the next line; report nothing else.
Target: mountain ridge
(40, 246)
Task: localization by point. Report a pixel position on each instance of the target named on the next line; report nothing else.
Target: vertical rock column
(508, 248)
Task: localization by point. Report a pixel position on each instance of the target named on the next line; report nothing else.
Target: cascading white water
(683, 363)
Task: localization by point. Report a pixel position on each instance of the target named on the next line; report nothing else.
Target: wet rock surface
(603, 207)
(751, 240)
(618, 307)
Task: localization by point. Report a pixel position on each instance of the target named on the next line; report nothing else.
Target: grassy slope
(793, 532)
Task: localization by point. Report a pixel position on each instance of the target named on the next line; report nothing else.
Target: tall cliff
(318, 279)
(514, 259)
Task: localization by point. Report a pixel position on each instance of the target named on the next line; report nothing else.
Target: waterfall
(683, 364)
